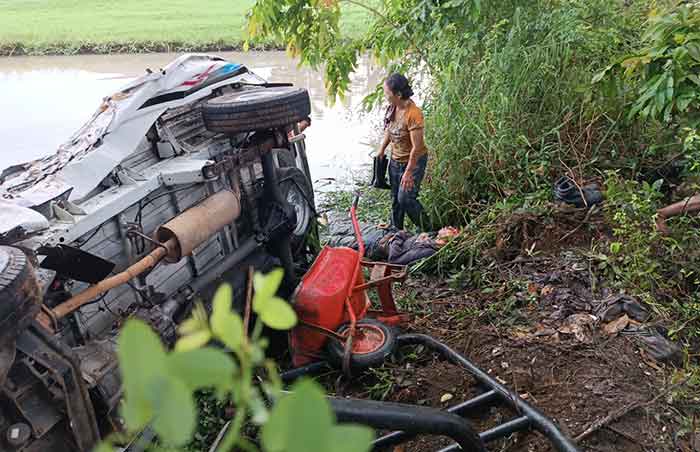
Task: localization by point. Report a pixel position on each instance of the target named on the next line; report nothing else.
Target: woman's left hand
(407, 180)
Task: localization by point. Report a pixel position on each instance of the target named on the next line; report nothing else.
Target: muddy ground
(577, 381)
(538, 329)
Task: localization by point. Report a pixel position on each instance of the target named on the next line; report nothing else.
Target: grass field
(100, 26)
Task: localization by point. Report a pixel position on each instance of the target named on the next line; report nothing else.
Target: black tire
(374, 358)
(285, 158)
(296, 189)
(19, 292)
(256, 109)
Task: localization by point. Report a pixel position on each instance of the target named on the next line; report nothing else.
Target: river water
(43, 100)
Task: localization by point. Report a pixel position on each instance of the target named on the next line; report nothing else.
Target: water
(46, 99)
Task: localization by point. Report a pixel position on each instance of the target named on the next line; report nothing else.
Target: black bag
(381, 163)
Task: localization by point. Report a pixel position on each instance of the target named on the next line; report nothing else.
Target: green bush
(159, 385)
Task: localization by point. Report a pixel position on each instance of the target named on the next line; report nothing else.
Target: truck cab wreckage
(187, 175)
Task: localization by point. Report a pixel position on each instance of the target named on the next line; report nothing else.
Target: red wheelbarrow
(332, 302)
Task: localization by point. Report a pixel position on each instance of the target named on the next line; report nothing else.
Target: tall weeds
(513, 105)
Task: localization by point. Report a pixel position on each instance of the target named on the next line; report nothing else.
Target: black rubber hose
(309, 369)
(409, 418)
(538, 420)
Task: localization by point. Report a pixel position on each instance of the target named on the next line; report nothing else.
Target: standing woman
(403, 129)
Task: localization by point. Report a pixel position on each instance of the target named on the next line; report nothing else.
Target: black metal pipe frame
(535, 419)
(417, 419)
(395, 438)
(385, 415)
(501, 431)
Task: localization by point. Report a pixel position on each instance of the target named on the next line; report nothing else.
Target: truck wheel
(374, 341)
(256, 109)
(19, 293)
(285, 158)
(296, 189)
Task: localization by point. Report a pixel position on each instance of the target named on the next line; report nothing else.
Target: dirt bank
(537, 327)
(578, 381)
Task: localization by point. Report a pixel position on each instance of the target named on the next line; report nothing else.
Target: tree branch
(388, 21)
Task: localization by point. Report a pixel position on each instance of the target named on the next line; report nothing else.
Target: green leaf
(229, 330)
(202, 368)
(684, 101)
(276, 430)
(141, 359)
(222, 299)
(258, 409)
(278, 314)
(226, 325)
(694, 78)
(104, 447)
(266, 287)
(350, 438)
(615, 247)
(300, 421)
(198, 321)
(600, 75)
(193, 341)
(175, 415)
(694, 50)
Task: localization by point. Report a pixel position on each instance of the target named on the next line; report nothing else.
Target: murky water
(43, 100)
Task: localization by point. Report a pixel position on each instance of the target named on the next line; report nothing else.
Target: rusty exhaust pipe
(178, 238)
(195, 225)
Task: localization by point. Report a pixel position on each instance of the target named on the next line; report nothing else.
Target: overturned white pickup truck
(187, 175)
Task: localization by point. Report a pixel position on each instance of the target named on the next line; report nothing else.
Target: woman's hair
(398, 84)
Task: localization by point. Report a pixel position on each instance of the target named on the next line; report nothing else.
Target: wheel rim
(367, 339)
(296, 199)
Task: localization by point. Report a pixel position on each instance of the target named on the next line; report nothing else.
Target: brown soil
(526, 343)
(536, 330)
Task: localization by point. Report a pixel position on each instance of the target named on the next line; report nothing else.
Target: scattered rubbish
(580, 325)
(612, 307)
(616, 326)
(656, 344)
(567, 191)
(446, 398)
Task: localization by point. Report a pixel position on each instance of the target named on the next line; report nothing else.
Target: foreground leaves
(274, 312)
(158, 386)
(302, 421)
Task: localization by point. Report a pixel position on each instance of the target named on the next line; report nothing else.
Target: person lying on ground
(390, 244)
(405, 248)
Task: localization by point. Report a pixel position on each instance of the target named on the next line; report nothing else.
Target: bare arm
(385, 143)
(417, 142)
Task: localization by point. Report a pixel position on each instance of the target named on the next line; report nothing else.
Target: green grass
(74, 26)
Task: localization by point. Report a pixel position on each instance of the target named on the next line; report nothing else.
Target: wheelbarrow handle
(356, 228)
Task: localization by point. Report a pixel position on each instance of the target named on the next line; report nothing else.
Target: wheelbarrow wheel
(373, 343)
